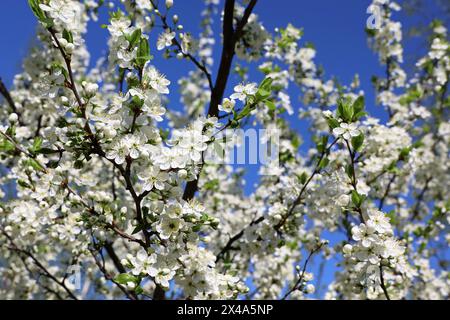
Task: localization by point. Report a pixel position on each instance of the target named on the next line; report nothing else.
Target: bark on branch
(230, 37)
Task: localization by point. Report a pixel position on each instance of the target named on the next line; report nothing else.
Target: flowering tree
(101, 176)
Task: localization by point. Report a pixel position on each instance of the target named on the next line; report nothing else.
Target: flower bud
(13, 117)
(69, 48)
(182, 174)
(109, 132)
(90, 89)
(63, 42)
(169, 4)
(347, 249)
(310, 288)
(385, 262)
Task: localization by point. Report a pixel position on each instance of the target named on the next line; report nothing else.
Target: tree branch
(39, 265)
(5, 93)
(230, 37)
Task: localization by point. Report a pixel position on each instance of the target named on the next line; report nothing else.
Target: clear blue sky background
(335, 27)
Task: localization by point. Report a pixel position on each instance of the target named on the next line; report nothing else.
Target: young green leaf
(124, 278)
(357, 142)
(143, 53)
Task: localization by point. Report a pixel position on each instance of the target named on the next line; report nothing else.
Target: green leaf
(35, 165)
(137, 229)
(345, 110)
(404, 153)
(164, 134)
(68, 36)
(138, 290)
(52, 164)
(234, 124)
(40, 14)
(303, 178)
(262, 94)
(392, 217)
(34, 5)
(211, 184)
(143, 53)
(78, 164)
(266, 84)
(245, 112)
(37, 143)
(357, 199)
(295, 140)
(324, 162)
(271, 105)
(349, 171)
(358, 104)
(348, 112)
(322, 144)
(359, 115)
(134, 37)
(124, 278)
(46, 151)
(11, 131)
(333, 123)
(23, 184)
(340, 109)
(357, 142)
(6, 146)
(371, 32)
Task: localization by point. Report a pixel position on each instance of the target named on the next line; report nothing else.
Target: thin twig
(299, 282)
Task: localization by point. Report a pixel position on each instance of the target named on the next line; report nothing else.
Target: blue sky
(336, 28)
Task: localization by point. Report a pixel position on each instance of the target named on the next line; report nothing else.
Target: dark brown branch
(200, 66)
(39, 265)
(420, 198)
(386, 193)
(115, 259)
(298, 200)
(108, 276)
(95, 143)
(241, 24)
(382, 284)
(299, 282)
(5, 93)
(230, 37)
(235, 238)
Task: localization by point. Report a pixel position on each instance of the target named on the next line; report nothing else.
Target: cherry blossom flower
(168, 226)
(59, 9)
(152, 178)
(156, 80)
(346, 130)
(227, 105)
(241, 91)
(165, 39)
